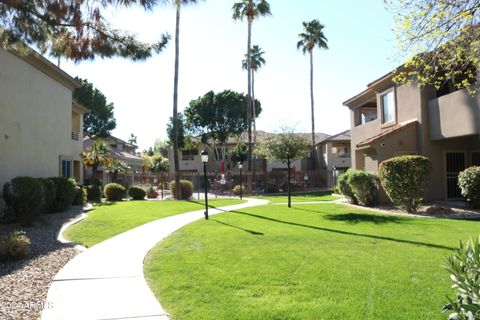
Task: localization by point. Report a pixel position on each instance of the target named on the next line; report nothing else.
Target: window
(388, 106)
(66, 168)
(189, 154)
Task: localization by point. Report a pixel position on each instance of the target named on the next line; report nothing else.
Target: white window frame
(394, 109)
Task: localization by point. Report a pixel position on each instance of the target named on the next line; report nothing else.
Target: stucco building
(389, 120)
(40, 125)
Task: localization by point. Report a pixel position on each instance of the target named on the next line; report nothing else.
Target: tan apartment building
(335, 156)
(389, 120)
(40, 125)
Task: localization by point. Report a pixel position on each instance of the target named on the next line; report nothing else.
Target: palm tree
(178, 5)
(257, 61)
(250, 9)
(309, 39)
(98, 155)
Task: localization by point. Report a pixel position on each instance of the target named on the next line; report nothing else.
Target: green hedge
(25, 197)
(343, 187)
(65, 193)
(469, 184)
(94, 193)
(137, 193)
(80, 196)
(49, 192)
(405, 180)
(364, 186)
(114, 192)
(186, 189)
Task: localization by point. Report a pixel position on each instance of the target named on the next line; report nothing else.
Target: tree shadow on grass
(371, 236)
(256, 233)
(354, 218)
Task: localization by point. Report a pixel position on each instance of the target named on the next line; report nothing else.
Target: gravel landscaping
(24, 284)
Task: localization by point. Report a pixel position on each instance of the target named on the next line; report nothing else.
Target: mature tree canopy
(75, 29)
(100, 120)
(161, 146)
(218, 116)
(440, 39)
(239, 153)
(97, 155)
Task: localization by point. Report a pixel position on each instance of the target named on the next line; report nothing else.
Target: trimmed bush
(65, 193)
(15, 246)
(49, 192)
(344, 188)
(25, 197)
(114, 192)
(94, 181)
(80, 196)
(405, 179)
(94, 193)
(137, 193)
(469, 184)
(237, 188)
(364, 186)
(186, 189)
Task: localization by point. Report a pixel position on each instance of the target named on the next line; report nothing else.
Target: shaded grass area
(110, 219)
(322, 261)
(302, 197)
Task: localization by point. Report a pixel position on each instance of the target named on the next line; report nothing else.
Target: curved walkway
(106, 282)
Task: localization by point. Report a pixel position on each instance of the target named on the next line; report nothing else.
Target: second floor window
(388, 106)
(189, 154)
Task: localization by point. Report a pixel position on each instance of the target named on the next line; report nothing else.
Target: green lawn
(108, 220)
(303, 197)
(321, 261)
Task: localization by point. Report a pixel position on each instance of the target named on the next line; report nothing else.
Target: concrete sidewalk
(106, 282)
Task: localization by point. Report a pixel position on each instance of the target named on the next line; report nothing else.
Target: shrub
(25, 197)
(65, 193)
(343, 187)
(94, 181)
(364, 186)
(49, 193)
(236, 190)
(80, 196)
(15, 246)
(137, 193)
(186, 189)
(114, 192)
(469, 184)
(94, 193)
(464, 269)
(405, 180)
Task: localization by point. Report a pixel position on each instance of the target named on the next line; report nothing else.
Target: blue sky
(360, 41)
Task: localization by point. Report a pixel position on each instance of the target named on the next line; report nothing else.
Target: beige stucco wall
(35, 120)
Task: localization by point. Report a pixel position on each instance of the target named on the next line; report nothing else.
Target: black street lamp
(204, 155)
(240, 166)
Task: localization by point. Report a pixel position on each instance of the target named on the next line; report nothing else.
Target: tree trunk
(313, 112)
(254, 126)
(249, 104)
(288, 186)
(175, 101)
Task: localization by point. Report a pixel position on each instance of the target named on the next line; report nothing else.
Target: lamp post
(204, 155)
(240, 166)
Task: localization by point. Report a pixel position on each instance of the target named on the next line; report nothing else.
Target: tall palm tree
(311, 37)
(257, 61)
(178, 4)
(250, 9)
(98, 155)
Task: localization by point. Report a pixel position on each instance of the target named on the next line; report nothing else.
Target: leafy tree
(118, 166)
(250, 9)
(238, 154)
(285, 147)
(216, 117)
(159, 163)
(75, 29)
(180, 132)
(175, 130)
(100, 121)
(440, 40)
(132, 139)
(311, 37)
(161, 146)
(98, 155)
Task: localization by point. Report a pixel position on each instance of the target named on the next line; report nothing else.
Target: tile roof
(389, 131)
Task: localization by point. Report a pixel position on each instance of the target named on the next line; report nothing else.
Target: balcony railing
(75, 135)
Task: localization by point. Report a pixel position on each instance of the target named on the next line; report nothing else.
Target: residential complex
(389, 120)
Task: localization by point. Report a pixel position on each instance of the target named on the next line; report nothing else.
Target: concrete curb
(65, 226)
